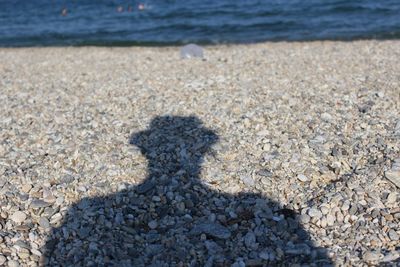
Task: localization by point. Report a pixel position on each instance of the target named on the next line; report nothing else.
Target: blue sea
(173, 22)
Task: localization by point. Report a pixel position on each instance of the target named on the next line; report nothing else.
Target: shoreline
(129, 44)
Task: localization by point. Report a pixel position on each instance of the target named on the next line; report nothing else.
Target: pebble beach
(269, 154)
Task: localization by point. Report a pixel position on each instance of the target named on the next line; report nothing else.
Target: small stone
(36, 252)
(26, 188)
(393, 235)
(18, 217)
(44, 222)
(267, 147)
(264, 255)
(55, 218)
(265, 173)
(2, 260)
(247, 180)
(212, 229)
(392, 197)
(48, 196)
(239, 263)
(38, 203)
(302, 177)
(393, 176)
(212, 247)
(13, 263)
(346, 206)
(326, 117)
(59, 201)
(304, 218)
(330, 219)
(21, 244)
(391, 257)
(371, 256)
(324, 210)
(397, 128)
(353, 210)
(299, 249)
(145, 187)
(23, 254)
(315, 213)
(323, 222)
(153, 224)
(250, 240)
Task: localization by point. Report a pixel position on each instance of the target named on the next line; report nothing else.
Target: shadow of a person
(173, 219)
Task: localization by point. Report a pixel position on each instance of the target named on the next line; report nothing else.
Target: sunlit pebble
(141, 6)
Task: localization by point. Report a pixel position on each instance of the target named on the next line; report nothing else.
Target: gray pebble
(212, 229)
(391, 257)
(393, 235)
(38, 203)
(250, 240)
(264, 255)
(44, 222)
(153, 224)
(304, 218)
(145, 187)
(247, 180)
(315, 213)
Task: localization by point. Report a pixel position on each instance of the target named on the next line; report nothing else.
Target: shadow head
(174, 144)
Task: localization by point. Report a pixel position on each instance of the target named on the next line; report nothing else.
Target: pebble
(250, 240)
(18, 217)
(213, 229)
(264, 255)
(13, 263)
(326, 117)
(146, 187)
(391, 257)
(153, 224)
(302, 177)
(247, 180)
(371, 256)
(38, 203)
(26, 188)
(392, 197)
(44, 222)
(397, 128)
(394, 177)
(314, 213)
(304, 218)
(2, 260)
(393, 235)
(330, 220)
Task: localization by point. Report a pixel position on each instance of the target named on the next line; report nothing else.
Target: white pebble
(18, 217)
(302, 177)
